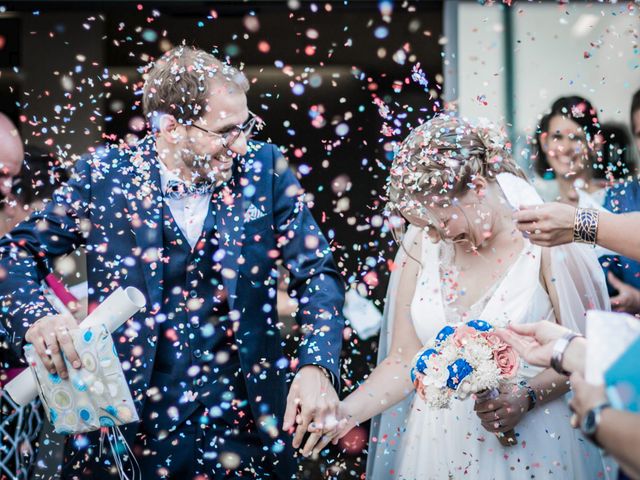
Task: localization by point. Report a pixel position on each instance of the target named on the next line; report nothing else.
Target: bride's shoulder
(412, 242)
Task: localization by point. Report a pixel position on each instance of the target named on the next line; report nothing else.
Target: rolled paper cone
(116, 309)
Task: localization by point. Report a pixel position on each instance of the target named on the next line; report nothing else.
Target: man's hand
(547, 225)
(628, 298)
(50, 336)
(585, 397)
(312, 398)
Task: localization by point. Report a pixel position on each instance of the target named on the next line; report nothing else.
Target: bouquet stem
(506, 439)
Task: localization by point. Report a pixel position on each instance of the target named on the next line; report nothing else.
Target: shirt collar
(166, 175)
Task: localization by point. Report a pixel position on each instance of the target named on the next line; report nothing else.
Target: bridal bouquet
(463, 359)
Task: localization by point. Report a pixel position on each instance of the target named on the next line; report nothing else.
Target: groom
(196, 216)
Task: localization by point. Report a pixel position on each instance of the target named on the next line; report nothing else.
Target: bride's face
(469, 219)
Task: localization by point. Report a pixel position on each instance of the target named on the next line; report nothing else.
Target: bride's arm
(505, 412)
(548, 384)
(390, 381)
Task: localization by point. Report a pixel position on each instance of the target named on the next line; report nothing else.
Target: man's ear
(170, 128)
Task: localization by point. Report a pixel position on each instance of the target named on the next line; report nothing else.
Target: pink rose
(492, 339)
(419, 386)
(507, 360)
(463, 334)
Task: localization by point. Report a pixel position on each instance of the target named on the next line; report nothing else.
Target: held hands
(312, 399)
(546, 225)
(51, 338)
(502, 414)
(332, 433)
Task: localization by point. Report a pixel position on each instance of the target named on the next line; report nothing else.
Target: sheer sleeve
(579, 282)
(384, 436)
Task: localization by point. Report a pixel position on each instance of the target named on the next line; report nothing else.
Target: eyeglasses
(231, 134)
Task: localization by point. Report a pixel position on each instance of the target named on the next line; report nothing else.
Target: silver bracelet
(558, 352)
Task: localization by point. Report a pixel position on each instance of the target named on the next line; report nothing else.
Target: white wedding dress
(412, 441)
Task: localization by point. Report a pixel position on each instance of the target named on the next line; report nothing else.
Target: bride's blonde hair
(440, 159)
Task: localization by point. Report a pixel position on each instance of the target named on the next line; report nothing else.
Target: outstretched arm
(319, 290)
(551, 224)
(390, 381)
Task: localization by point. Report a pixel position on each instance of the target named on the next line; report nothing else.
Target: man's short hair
(178, 83)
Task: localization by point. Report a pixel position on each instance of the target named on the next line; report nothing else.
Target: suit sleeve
(315, 280)
(28, 251)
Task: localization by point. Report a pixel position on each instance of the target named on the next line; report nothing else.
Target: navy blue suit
(623, 198)
(113, 207)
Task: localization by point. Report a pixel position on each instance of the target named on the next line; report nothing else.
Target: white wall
(549, 45)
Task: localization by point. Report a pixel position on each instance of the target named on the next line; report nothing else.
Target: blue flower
(444, 333)
(480, 325)
(421, 363)
(458, 370)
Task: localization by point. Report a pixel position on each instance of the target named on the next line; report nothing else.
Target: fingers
(53, 350)
(292, 409)
(52, 340)
(528, 329)
(311, 442)
(66, 344)
(527, 214)
(41, 349)
(492, 426)
(303, 424)
(325, 422)
(615, 282)
(486, 407)
(488, 417)
(324, 441)
(343, 429)
(521, 344)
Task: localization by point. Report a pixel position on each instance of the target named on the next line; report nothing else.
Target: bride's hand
(319, 438)
(503, 413)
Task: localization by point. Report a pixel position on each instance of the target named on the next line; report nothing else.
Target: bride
(463, 259)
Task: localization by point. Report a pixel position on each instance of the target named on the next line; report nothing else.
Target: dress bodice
(516, 297)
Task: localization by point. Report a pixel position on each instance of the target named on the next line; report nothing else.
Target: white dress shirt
(189, 212)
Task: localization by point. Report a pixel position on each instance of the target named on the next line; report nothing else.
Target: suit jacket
(623, 198)
(112, 206)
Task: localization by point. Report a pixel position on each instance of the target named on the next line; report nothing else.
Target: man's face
(206, 153)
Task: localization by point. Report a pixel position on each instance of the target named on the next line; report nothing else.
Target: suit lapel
(230, 224)
(144, 202)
